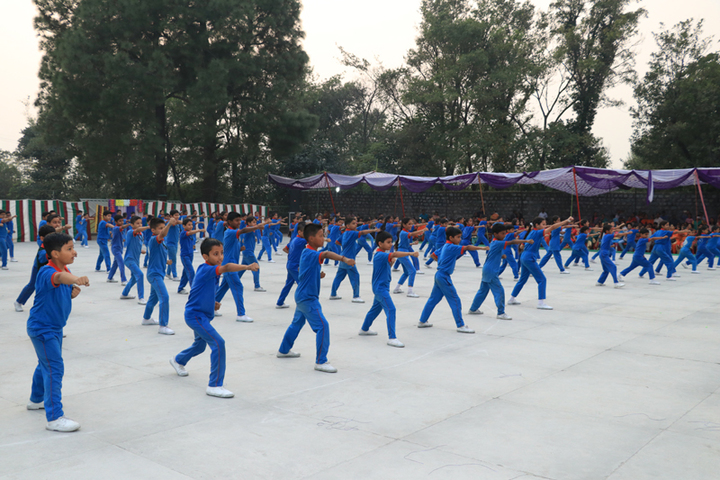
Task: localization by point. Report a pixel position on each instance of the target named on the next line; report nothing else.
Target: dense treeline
(200, 100)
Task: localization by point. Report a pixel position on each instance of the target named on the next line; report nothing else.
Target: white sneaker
(654, 282)
(598, 284)
(123, 283)
(370, 263)
(220, 392)
(63, 424)
(413, 295)
(325, 367)
(394, 342)
(620, 277)
(516, 279)
(142, 301)
(367, 333)
(18, 306)
(504, 316)
(474, 312)
(15, 261)
(218, 314)
(271, 261)
(465, 329)
(589, 269)
(244, 319)
(683, 265)
(335, 297)
(395, 269)
(282, 306)
(711, 268)
(619, 285)
(674, 275)
(593, 261)
(150, 321)
(168, 276)
(127, 297)
(429, 266)
(175, 279)
(4, 268)
(111, 280)
(564, 272)
(259, 289)
(544, 306)
(398, 290)
(180, 369)
(35, 406)
(166, 330)
(289, 354)
(671, 279)
(358, 300)
(424, 324)
(513, 301)
(420, 272)
(183, 292)
(695, 272)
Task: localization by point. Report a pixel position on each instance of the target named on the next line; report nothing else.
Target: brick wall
(529, 203)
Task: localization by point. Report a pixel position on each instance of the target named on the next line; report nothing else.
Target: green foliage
(677, 118)
(11, 181)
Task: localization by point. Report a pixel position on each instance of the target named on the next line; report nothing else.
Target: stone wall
(529, 203)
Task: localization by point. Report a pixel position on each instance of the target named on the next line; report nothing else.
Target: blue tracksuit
(409, 270)
(349, 250)
(133, 247)
(530, 266)
(567, 238)
(490, 280)
(443, 286)
(639, 259)
(103, 236)
(117, 251)
(631, 244)
(467, 233)
(171, 241)
(267, 239)
(231, 280)
(509, 257)
(157, 253)
(363, 243)
(187, 242)
(295, 249)
(381, 279)
(428, 234)
(554, 250)
(481, 238)
(686, 253)
(608, 266)
(308, 307)
(659, 251)
(579, 251)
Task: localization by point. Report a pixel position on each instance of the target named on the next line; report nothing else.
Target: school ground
(616, 384)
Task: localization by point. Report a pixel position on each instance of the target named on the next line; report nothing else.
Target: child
(334, 234)
(171, 241)
(40, 261)
(403, 245)
(467, 233)
(134, 243)
(56, 287)
(605, 251)
(306, 299)
(554, 247)
(10, 234)
(199, 312)
(268, 236)
(580, 250)
(529, 259)
(231, 280)
(686, 252)
(490, 280)
(3, 240)
(349, 250)
(117, 250)
(362, 239)
(508, 254)
(660, 250)
(631, 242)
(381, 278)
(81, 223)
(103, 236)
(440, 239)
(638, 259)
(157, 253)
(187, 245)
(444, 287)
(293, 249)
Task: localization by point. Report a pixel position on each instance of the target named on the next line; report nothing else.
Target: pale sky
(372, 29)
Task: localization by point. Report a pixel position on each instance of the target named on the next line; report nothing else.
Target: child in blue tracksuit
(381, 278)
(40, 261)
(267, 242)
(307, 299)
(293, 250)
(481, 237)
(199, 312)
(362, 240)
(605, 251)
(567, 238)
(103, 237)
(334, 235)
(704, 247)
(172, 241)
(529, 261)
(686, 252)
(3, 239)
(147, 235)
(54, 290)
(158, 260)
(349, 250)
(490, 280)
(239, 239)
(468, 231)
(187, 245)
(631, 241)
(660, 251)
(443, 287)
(711, 246)
(10, 235)
(118, 239)
(508, 254)
(439, 240)
(555, 247)
(579, 249)
(428, 234)
(82, 232)
(639, 259)
(133, 247)
(403, 244)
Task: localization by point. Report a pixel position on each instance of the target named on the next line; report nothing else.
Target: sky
(378, 30)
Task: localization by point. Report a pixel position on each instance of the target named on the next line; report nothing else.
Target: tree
(677, 117)
(10, 177)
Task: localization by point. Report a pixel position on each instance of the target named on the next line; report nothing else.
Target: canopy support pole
(482, 199)
(577, 197)
(330, 192)
(697, 182)
(402, 202)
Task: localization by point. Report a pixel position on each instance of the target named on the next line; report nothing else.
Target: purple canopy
(590, 181)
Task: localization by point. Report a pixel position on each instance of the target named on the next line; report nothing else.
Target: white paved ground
(618, 384)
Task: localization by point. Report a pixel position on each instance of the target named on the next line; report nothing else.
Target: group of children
(235, 235)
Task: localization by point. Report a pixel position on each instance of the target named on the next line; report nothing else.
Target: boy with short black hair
(443, 287)
(118, 239)
(293, 250)
(199, 312)
(55, 289)
(187, 246)
(638, 259)
(157, 253)
(307, 301)
(171, 241)
(490, 279)
(3, 240)
(134, 242)
(103, 236)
